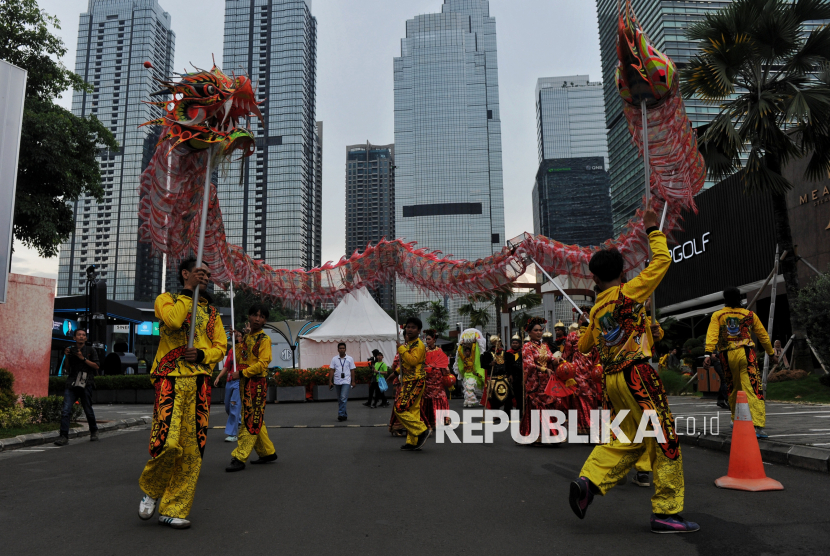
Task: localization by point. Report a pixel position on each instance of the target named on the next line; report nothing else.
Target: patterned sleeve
(643, 285)
(173, 312)
(218, 339)
(262, 353)
(713, 333)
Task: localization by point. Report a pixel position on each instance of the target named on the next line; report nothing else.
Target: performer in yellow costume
(181, 377)
(253, 355)
(620, 330)
(730, 335)
(412, 355)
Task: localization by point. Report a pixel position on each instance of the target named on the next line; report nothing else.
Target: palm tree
(500, 297)
(772, 82)
(478, 316)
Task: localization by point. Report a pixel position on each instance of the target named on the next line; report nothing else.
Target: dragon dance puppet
(208, 108)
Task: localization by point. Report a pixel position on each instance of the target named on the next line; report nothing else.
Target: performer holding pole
(407, 409)
(619, 328)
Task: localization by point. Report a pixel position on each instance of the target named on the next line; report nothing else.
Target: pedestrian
(779, 353)
(182, 406)
(83, 362)
(233, 405)
(379, 369)
(730, 333)
(619, 328)
(253, 355)
(413, 381)
(342, 378)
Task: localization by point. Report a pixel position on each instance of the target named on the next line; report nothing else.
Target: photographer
(82, 361)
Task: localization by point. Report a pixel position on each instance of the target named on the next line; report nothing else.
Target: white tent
(359, 322)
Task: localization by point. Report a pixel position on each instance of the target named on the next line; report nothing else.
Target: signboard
(64, 329)
(121, 328)
(144, 329)
(12, 97)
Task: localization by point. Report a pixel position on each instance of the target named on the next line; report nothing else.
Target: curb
(36, 439)
(779, 453)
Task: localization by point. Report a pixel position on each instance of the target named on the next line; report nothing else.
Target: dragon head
(206, 109)
(643, 72)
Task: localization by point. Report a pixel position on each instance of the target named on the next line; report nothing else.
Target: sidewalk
(799, 434)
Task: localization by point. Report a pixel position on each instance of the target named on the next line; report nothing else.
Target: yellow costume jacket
(731, 328)
(253, 355)
(174, 312)
(619, 325)
(412, 356)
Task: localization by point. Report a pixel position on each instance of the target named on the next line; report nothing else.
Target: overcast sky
(356, 41)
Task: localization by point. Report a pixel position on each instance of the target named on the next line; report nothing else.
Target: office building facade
(370, 202)
(448, 180)
(271, 201)
(570, 118)
(115, 38)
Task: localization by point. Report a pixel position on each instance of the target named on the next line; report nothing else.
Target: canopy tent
(359, 322)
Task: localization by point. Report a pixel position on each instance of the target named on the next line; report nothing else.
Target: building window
(495, 238)
(489, 114)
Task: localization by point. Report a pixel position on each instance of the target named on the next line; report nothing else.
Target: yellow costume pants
(247, 442)
(610, 462)
(740, 381)
(173, 474)
(411, 419)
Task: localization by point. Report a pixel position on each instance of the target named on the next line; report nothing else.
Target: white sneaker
(147, 507)
(174, 522)
(230, 439)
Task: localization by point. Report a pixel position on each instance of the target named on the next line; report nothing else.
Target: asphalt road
(350, 490)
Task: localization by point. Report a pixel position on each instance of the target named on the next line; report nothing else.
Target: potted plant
(288, 386)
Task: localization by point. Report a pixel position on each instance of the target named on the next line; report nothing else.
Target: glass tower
(571, 201)
(115, 38)
(370, 202)
(448, 180)
(570, 118)
(271, 201)
(665, 23)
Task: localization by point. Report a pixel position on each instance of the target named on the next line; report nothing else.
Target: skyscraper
(370, 202)
(115, 37)
(448, 180)
(270, 201)
(318, 196)
(665, 23)
(571, 201)
(570, 118)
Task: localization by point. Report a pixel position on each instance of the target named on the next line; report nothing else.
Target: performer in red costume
(536, 359)
(437, 366)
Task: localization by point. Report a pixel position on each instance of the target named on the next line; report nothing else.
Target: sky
(356, 42)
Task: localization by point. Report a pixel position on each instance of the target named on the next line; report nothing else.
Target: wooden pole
(201, 249)
(233, 329)
(770, 321)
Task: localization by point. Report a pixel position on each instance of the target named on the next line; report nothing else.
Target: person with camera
(82, 361)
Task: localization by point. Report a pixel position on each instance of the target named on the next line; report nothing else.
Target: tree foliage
(478, 316)
(57, 161)
(439, 317)
(813, 304)
(244, 298)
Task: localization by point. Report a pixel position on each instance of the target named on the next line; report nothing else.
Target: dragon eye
(210, 89)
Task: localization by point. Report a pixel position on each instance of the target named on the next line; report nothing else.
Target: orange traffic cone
(746, 470)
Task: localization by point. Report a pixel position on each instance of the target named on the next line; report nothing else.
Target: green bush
(813, 306)
(15, 417)
(672, 381)
(48, 409)
(825, 380)
(57, 384)
(7, 396)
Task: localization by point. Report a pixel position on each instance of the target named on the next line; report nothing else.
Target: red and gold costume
(587, 396)
(182, 405)
(436, 365)
(253, 355)
(620, 330)
(730, 333)
(536, 359)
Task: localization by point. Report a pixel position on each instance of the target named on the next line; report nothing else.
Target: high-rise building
(448, 180)
(318, 196)
(665, 22)
(570, 118)
(370, 202)
(115, 38)
(270, 201)
(571, 201)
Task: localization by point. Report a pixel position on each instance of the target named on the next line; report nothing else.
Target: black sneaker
(672, 524)
(641, 479)
(235, 465)
(367, 404)
(93, 436)
(341, 418)
(422, 439)
(408, 447)
(62, 441)
(581, 496)
(723, 405)
(385, 404)
(264, 459)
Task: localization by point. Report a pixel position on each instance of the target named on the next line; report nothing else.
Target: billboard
(12, 97)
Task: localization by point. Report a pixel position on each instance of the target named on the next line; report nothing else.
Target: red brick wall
(26, 332)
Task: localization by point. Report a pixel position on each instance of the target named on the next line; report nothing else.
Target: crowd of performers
(602, 361)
